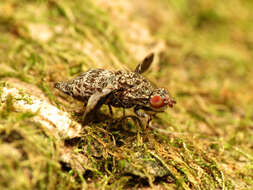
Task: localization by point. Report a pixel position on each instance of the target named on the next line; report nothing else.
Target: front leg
(140, 113)
(143, 115)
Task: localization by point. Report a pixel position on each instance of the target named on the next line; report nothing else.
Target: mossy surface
(205, 142)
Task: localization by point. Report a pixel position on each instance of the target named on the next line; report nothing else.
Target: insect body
(124, 89)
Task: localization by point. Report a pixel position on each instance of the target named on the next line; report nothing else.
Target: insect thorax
(133, 90)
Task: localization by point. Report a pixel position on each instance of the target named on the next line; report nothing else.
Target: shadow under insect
(120, 89)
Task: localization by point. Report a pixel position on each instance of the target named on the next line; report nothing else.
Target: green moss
(205, 142)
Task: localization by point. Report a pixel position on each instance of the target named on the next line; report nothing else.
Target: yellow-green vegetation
(205, 142)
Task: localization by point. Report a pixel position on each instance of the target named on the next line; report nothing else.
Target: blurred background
(203, 55)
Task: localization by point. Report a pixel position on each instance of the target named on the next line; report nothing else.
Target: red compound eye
(156, 102)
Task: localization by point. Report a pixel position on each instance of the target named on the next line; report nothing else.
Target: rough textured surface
(50, 117)
(203, 56)
(124, 89)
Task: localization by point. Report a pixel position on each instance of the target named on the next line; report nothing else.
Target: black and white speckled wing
(86, 84)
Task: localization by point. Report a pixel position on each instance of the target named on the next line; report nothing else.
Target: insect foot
(125, 89)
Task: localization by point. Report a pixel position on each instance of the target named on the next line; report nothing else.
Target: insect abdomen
(64, 87)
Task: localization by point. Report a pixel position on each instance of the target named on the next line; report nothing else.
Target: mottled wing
(86, 84)
(142, 67)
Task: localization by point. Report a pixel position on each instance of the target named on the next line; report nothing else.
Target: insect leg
(95, 101)
(140, 113)
(124, 112)
(110, 110)
(149, 120)
(144, 115)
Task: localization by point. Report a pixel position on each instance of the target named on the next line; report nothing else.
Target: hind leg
(96, 101)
